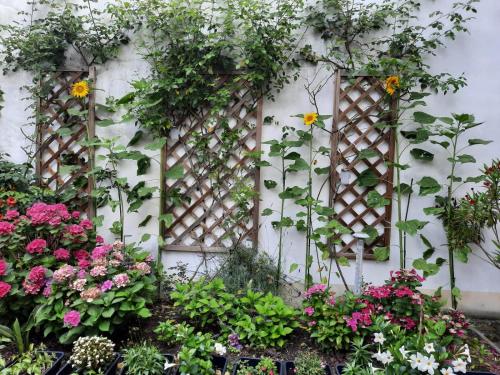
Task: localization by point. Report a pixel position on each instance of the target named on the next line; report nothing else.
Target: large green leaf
(411, 226)
(428, 185)
(381, 253)
(375, 200)
(368, 178)
(420, 154)
(477, 141)
(175, 173)
(423, 118)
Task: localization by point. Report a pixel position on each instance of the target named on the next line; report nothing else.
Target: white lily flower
(459, 365)
(416, 360)
(379, 338)
(429, 364)
(447, 371)
(429, 348)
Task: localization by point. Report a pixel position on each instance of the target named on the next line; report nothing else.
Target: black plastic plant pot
(55, 365)
(289, 369)
(340, 368)
(67, 369)
(254, 362)
(219, 363)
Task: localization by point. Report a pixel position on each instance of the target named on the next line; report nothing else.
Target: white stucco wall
(477, 55)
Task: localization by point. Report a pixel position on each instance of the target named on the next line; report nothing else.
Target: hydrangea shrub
(53, 261)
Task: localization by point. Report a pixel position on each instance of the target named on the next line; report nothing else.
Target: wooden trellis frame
(198, 224)
(359, 103)
(52, 144)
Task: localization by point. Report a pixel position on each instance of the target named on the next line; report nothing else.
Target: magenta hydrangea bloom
(309, 310)
(318, 288)
(6, 228)
(107, 285)
(3, 267)
(36, 246)
(62, 254)
(72, 318)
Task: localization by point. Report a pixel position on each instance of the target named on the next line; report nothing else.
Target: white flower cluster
(92, 352)
(425, 363)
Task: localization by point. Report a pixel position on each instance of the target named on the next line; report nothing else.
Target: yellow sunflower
(391, 84)
(310, 118)
(80, 89)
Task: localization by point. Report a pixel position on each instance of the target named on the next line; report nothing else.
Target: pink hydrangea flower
(403, 292)
(81, 254)
(312, 323)
(47, 291)
(78, 285)
(42, 213)
(4, 289)
(318, 288)
(37, 274)
(91, 294)
(75, 215)
(62, 254)
(98, 271)
(378, 292)
(6, 228)
(118, 245)
(36, 246)
(31, 288)
(101, 251)
(75, 229)
(121, 280)
(107, 285)
(99, 239)
(309, 310)
(3, 267)
(11, 214)
(86, 224)
(143, 268)
(64, 273)
(72, 318)
(84, 263)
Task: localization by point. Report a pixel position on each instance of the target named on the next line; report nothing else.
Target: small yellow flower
(310, 118)
(391, 84)
(210, 129)
(80, 89)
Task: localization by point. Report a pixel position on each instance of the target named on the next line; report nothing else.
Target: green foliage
(18, 335)
(266, 366)
(173, 333)
(263, 320)
(308, 363)
(244, 267)
(14, 177)
(31, 362)
(143, 359)
(188, 41)
(40, 43)
(204, 302)
(195, 355)
(260, 320)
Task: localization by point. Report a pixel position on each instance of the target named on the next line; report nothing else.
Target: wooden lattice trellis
(59, 133)
(202, 222)
(360, 103)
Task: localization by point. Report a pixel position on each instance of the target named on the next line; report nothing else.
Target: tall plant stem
(309, 214)
(282, 212)
(402, 250)
(451, 255)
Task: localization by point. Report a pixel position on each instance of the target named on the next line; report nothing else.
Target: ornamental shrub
(335, 323)
(52, 260)
(255, 318)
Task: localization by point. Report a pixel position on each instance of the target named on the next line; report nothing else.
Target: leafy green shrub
(144, 359)
(205, 303)
(173, 333)
(258, 319)
(308, 363)
(263, 320)
(195, 356)
(245, 267)
(32, 361)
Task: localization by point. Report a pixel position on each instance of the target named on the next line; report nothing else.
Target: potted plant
(32, 361)
(91, 355)
(257, 366)
(307, 363)
(143, 359)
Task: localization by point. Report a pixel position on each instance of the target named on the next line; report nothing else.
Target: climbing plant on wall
(391, 41)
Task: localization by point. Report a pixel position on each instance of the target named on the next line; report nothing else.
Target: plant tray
(339, 369)
(55, 365)
(67, 369)
(253, 362)
(289, 368)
